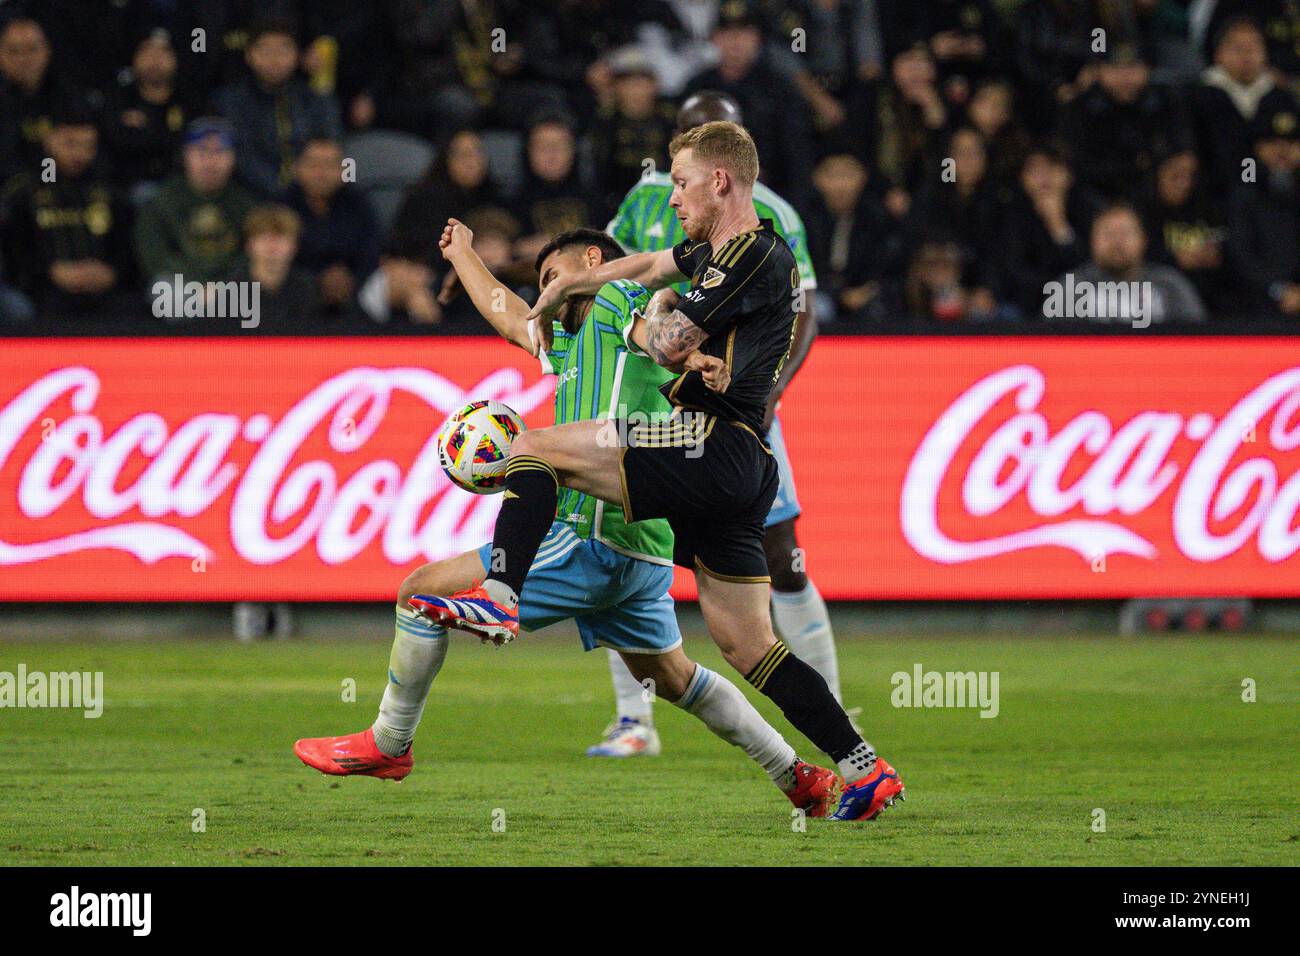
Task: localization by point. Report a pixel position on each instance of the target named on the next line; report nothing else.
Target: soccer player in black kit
(706, 469)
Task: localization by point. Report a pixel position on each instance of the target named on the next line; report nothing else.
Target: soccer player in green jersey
(646, 223)
(610, 576)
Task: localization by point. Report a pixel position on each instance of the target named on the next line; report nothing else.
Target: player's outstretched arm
(651, 269)
(505, 311)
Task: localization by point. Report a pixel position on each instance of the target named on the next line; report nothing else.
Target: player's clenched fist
(456, 238)
(712, 369)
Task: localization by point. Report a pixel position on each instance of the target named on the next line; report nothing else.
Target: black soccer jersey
(743, 296)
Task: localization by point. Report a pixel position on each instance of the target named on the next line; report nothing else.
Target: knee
(409, 589)
(529, 443)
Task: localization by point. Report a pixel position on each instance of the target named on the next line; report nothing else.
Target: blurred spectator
(992, 112)
(965, 207)
(339, 240)
(274, 110)
(1114, 130)
(1229, 95)
(932, 289)
(194, 226)
(286, 296)
(1043, 230)
(1053, 56)
(64, 233)
(637, 126)
(766, 97)
(908, 116)
(457, 185)
(146, 118)
(1187, 229)
(554, 198)
(457, 63)
(1279, 20)
(963, 37)
(850, 237)
(1119, 247)
(1264, 220)
(400, 292)
(565, 50)
(347, 55)
(30, 94)
(830, 48)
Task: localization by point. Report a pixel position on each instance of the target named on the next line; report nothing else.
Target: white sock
(629, 695)
(802, 622)
(730, 715)
(859, 763)
(502, 593)
(419, 649)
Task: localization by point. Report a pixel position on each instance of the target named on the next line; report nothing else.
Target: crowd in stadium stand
(949, 158)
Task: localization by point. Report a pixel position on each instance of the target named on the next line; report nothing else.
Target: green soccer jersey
(602, 375)
(645, 223)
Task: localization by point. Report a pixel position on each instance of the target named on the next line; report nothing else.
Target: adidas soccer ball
(474, 445)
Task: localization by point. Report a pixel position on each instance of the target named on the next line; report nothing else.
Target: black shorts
(713, 480)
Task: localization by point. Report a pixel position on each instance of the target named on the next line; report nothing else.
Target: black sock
(526, 515)
(806, 701)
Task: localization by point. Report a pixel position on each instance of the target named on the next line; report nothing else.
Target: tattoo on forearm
(670, 337)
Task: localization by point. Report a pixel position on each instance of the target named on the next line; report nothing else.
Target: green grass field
(1153, 731)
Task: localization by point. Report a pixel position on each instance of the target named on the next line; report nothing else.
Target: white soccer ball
(474, 445)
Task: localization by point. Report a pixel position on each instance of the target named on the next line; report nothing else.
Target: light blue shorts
(616, 601)
(786, 503)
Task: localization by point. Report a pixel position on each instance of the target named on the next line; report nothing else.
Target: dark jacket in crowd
(1223, 135)
(144, 138)
(347, 233)
(1029, 257)
(67, 220)
(1264, 239)
(1113, 146)
(272, 127)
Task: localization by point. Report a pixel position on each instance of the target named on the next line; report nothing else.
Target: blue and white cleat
(627, 737)
(470, 610)
(867, 798)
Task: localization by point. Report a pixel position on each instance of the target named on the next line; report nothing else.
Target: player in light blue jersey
(645, 223)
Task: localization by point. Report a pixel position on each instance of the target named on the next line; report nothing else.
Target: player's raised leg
(419, 649)
(581, 455)
(736, 614)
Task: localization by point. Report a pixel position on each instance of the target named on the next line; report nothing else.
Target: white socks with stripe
(802, 622)
(630, 697)
(729, 714)
(419, 649)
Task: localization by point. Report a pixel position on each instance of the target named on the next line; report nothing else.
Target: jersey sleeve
(616, 307)
(552, 357)
(718, 291)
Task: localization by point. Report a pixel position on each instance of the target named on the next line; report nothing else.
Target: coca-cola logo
(1224, 499)
(283, 500)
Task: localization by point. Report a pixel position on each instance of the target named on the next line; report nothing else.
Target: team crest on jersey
(713, 277)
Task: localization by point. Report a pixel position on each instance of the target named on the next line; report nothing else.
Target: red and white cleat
(816, 790)
(353, 755)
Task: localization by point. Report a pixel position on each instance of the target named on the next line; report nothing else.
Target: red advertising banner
(304, 469)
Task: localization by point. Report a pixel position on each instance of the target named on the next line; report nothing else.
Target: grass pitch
(1152, 731)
